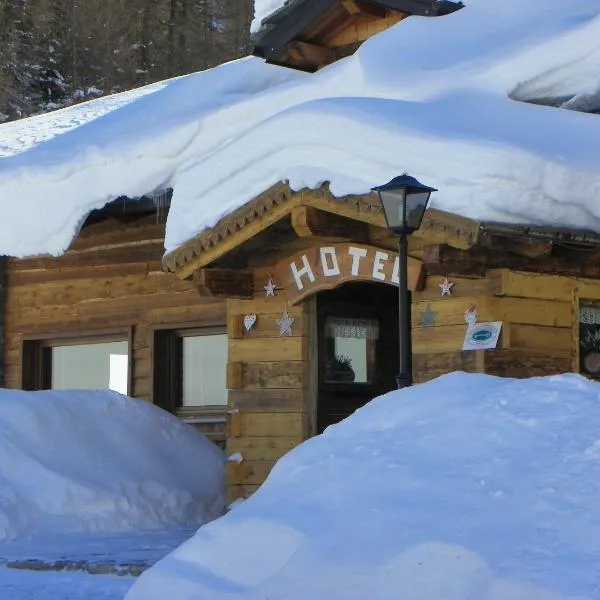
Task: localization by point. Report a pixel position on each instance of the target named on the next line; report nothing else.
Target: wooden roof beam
(529, 247)
(311, 54)
(223, 283)
(447, 261)
(366, 9)
(312, 222)
(437, 227)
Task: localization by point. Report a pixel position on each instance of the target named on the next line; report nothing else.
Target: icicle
(161, 202)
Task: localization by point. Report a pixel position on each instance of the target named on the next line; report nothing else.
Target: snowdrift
(441, 98)
(91, 461)
(465, 488)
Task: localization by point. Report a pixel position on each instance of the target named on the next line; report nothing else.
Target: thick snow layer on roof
(92, 461)
(469, 487)
(435, 97)
(262, 9)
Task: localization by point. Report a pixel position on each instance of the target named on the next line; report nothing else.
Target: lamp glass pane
(415, 209)
(393, 206)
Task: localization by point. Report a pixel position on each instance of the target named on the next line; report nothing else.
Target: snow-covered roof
(434, 97)
(264, 9)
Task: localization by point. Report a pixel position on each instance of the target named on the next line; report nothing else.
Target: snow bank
(465, 488)
(91, 461)
(436, 97)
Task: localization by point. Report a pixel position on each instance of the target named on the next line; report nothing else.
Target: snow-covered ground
(97, 461)
(96, 481)
(39, 585)
(468, 487)
(437, 97)
(81, 566)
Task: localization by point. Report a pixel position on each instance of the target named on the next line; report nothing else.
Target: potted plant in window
(339, 369)
(590, 350)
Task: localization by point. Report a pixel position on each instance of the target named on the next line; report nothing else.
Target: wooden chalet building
(243, 330)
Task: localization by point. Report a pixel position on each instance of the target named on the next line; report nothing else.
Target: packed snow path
(48, 585)
(90, 564)
(96, 482)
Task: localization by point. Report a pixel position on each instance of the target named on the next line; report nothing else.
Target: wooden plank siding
(539, 324)
(270, 391)
(274, 396)
(502, 362)
(110, 278)
(535, 316)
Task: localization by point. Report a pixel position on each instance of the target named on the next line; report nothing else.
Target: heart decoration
(249, 321)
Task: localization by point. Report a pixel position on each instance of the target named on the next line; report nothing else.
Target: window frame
(341, 310)
(168, 385)
(36, 355)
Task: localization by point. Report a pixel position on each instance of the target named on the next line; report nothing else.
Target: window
(589, 340)
(190, 369)
(87, 363)
(350, 349)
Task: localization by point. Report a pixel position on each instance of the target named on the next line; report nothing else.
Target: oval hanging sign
(481, 336)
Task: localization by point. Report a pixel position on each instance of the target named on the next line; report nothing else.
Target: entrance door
(358, 348)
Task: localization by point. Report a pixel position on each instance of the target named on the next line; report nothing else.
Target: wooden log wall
(272, 391)
(271, 386)
(539, 323)
(111, 278)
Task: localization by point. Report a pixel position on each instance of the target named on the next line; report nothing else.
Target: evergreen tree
(58, 52)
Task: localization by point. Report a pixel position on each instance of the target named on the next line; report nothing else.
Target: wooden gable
(310, 34)
(280, 222)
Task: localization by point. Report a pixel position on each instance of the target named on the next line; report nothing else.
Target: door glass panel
(350, 348)
(589, 341)
(104, 365)
(205, 370)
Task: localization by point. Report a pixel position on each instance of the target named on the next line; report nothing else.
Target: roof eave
(289, 21)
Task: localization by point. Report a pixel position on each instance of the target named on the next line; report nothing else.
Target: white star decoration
(285, 324)
(270, 287)
(446, 287)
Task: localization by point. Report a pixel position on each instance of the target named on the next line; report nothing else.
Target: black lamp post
(404, 201)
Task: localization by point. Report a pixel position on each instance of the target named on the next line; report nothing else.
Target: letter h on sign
(299, 273)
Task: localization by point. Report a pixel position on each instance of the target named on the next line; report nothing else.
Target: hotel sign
(326, 267)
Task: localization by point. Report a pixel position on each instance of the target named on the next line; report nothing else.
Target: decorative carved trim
(227, 226)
